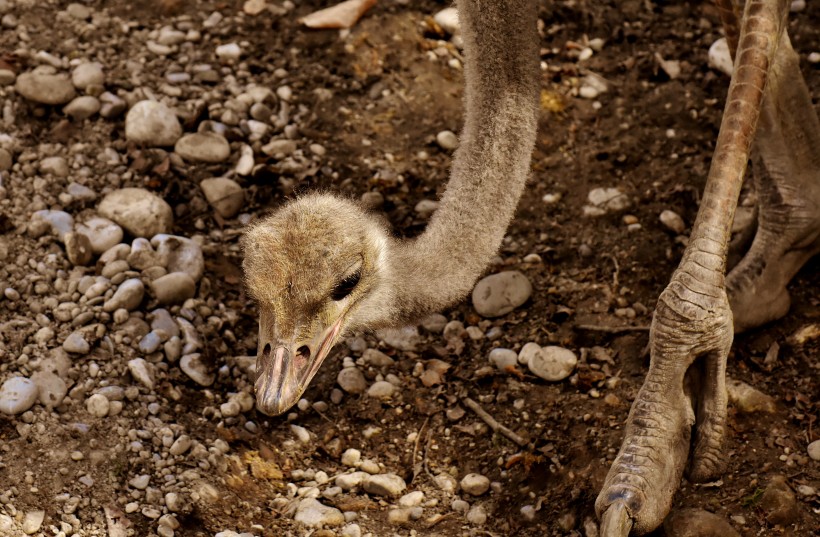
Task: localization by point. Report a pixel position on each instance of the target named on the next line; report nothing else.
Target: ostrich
(321, 266)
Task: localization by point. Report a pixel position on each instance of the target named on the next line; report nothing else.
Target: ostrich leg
(682, 403)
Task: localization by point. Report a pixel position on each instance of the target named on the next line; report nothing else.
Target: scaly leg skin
(787, 179)
(682, 403)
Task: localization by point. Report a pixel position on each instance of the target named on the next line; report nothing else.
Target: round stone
(52, 389)
(381, 390)
(672, 221)
(447, 140)
(17, 395)
(181, 254)
(97, 405)
(82, 107)
(351, 380)
(203, 147)
(173, 288)
(87, 74)
(192, 365)
(447, 18)
(475, 484)
(503, 359)
(128, 296)
(814, 450)
(102, 232)
(45, 89)
(697, 523)
(224, 195)
(75, 343)
(141, 371)
(153, 124)
(311, 512)
(140, 212)
(389, 485)
(501, 293)
(553, 363)
(78, 249)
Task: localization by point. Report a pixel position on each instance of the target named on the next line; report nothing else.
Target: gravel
(475, 484)
(499, 294)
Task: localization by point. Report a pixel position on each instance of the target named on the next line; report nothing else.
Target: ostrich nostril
(266, 350)
(303, 352)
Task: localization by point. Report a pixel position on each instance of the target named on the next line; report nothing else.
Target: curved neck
(490, 167)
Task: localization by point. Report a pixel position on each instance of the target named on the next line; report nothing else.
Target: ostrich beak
(285, 369)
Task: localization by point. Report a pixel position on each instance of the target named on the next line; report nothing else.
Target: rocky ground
(138, 138)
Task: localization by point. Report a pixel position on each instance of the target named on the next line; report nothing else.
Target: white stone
(45, 89)
(102, 232)
(17, 395)
(82, 107)
(499, 294)
(672, 221)
(608, 199)
(32, 521)
(192, 365)
(51, 388)
(403, 339)
(814, 450)
(152, 123)
(181, 254)
(98, 405)
(447, 18)
(553, 363)
(59, 222)
(173, 288)
(351, 380)
(477, 515)
(313, 513)
(381, 389)
(475, 484)
(225, 195)
(141, 212)
(141, 372)
(350, 481)
(229, 52)
(203, 147)
(389, 485)
(719, 57)
(447, 140)
(503, 359)
(127, 296)
(412, 499)
(351, 457)
(76, 343)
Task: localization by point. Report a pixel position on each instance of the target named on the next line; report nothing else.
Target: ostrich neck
(490, 167)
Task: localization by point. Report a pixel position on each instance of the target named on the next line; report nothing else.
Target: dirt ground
(375, 99)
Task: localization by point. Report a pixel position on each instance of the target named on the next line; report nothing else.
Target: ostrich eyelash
(346, 286)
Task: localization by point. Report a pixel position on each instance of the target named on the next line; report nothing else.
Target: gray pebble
(45, 89)
(140, 212)
(75, 343)
(80, 192)
(140, 482)
(150, 343)
(51, 388)
(224, 195)
(7, 77)
(434, 323)
(56, 166)
(128, 296)
(389, 485)
(672, 221)
(447, 140)
(97, 405)
(152, 123)
(143, 255)
(501, 293)
(503, 359)
(412, 499)
(102, 232)
(814, 450)
(181, 254)
(553, 363)
(33, 521)
(173, 288)
(381, 390)
(403, 339)
(350, 481)
(376, 358)
(748, 399)
(82, 107)
(313, 513)
(112, 105)
(477, 515)
(475, 484)
(605, 200)
(17, 395)
(192, 365)
(203, 147)
(78, 249)
(351, 380)
(87, 74)
(58, 222)
(697, 523)
(351, 457)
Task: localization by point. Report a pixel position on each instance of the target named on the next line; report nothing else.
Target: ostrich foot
(681, 406)
(787, 177)
(679, 416)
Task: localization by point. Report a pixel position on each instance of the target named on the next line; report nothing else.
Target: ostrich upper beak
(284, 369)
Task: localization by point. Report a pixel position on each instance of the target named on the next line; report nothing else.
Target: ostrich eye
(346, 286)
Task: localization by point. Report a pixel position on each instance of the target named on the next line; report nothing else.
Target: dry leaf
(343, 15)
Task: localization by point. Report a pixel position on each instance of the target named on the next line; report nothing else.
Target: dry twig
(492, 423)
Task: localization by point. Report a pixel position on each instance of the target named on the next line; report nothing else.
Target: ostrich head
(317, 268)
